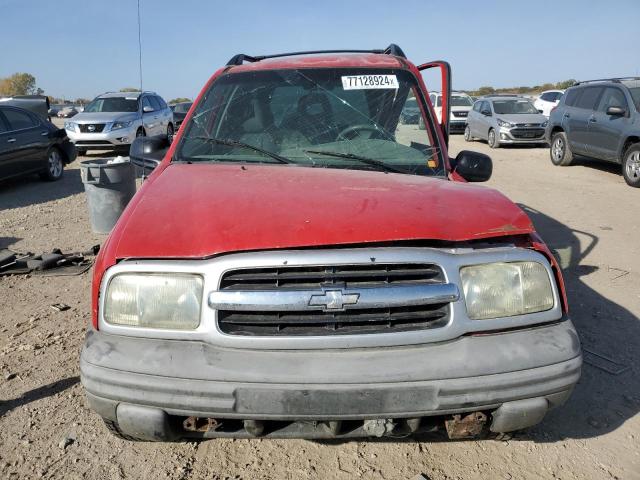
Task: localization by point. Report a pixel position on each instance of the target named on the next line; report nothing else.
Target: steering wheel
(347, 133)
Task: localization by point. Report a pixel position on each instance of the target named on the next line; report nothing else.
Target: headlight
(505, 289)
(545, 124)
(119, 125)
(70, 126)
(502, 123)
(152, 300)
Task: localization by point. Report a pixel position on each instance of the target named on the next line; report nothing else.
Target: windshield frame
(633, 87)
(437, 143)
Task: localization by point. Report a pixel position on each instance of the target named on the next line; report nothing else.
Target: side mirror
(540, 111)
(472, 166)
(486, 113)
(616, 111)
(148, 152)
(147, 109)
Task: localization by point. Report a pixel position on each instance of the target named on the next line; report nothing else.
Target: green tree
(129, 89)
(179, 100)
(18, 84)
(485, 90)
(565, 84)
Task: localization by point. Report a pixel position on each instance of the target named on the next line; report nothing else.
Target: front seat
(256, 131)
(313, 118)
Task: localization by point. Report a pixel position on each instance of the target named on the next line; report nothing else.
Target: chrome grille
(95, 127)
(527, 132)
(332, 300)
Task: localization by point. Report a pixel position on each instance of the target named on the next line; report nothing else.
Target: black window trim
(155, 100)
(4, 123)
(161, 102)
(146, 97)
(597, 99)
(624, 95)
(7, 123)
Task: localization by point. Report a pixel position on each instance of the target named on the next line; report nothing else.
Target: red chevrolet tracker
(302, 264)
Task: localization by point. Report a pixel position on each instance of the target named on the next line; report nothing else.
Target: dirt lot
(586, 212)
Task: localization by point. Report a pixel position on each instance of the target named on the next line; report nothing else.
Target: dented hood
(194, 211)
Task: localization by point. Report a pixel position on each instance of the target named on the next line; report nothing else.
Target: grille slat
(341, 322)
(527, 132)
(97, 127)
(315, 277)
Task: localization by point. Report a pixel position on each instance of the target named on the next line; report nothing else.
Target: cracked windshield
(339, 118)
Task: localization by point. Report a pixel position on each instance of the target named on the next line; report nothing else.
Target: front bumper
(457, 126)
(518, 135)
(103, 140)
(150, 386)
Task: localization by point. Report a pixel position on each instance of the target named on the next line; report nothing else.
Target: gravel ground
(586, 212)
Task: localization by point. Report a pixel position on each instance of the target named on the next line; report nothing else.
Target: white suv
(461, 104)
(547, 100)
(113, 120)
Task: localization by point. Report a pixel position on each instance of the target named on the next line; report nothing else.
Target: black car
(179, 112)
(599, 119)
(31, 144)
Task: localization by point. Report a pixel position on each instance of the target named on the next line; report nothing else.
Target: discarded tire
(109, 188)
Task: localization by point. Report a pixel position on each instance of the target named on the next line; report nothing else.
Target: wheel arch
(556, 129)
(630, 140)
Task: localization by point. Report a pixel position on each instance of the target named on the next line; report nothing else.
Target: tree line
(486, 90)
(25, 84)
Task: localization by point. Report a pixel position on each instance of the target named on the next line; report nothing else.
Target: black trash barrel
(109, 184)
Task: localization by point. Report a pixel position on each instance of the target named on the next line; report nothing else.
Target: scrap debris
(60, 307)
(55, 263)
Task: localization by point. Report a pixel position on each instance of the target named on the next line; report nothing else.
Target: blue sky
(79, 48)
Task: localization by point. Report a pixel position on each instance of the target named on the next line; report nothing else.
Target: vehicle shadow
(602, 401)
(6, 242)
(602, 165)
(30, 190)
(38, 394)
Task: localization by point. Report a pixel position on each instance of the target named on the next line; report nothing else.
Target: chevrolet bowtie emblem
(334, 300)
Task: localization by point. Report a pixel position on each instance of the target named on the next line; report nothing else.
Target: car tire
(81, 151)
(170, 133)
(631, 165)
(114, 429)
(492, 140)
(467, 134)
(560, 152)
(55, 165)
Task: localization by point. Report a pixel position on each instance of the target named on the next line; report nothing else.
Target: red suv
(303, 264)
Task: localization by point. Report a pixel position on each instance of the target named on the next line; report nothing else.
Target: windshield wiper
(235, 143)
(367, 161)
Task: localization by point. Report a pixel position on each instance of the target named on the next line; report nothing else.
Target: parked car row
(597, 119)
(64, 111)
(505, 119)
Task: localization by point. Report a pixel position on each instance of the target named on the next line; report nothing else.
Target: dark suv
(599, 119)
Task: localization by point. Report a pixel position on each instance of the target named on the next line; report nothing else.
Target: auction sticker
(366, 82)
